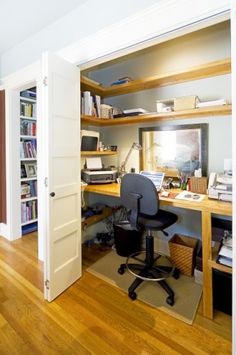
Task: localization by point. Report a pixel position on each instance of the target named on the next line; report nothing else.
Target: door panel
(63, 240)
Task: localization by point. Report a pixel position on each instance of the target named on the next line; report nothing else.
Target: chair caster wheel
(121, 270)
(132, 295)
(176, 274)
(170, 300)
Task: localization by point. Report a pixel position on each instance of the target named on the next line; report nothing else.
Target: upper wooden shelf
(219, 67)
(161, 117)
(105, 152)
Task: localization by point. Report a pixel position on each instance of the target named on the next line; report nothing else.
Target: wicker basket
(183, 253)
(198, 184)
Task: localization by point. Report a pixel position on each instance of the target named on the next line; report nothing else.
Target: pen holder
(183, 186)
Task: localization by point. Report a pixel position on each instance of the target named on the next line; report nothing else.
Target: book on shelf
(225, 254)
(31, 94)
(90, 104)
(124, 80)
(28, 211)
(28, 109)
(135, 111)
(28, 149)
(27, 128)
(29, 189)
(25, 191)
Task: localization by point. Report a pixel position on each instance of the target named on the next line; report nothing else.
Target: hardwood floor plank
(91, 317)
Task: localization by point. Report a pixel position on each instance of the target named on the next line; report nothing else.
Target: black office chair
(140, 198)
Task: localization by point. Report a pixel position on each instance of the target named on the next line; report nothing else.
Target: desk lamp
(135, 146)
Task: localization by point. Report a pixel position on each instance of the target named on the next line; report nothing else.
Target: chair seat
(161, 220)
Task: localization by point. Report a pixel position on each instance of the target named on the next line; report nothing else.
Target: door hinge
(46, 182)
(47, 284)
(45, 81)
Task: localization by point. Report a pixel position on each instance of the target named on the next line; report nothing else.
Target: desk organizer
(183, 253)
(198, 184)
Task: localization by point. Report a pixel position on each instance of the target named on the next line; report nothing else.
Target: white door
(61, 98)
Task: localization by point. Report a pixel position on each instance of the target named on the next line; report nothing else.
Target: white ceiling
(19, 19)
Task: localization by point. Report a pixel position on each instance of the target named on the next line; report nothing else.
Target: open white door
(61, 98)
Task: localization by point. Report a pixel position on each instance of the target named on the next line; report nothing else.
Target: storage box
(198, 184)
(185, 103)
(183, 253)
(165, 105)
(198, 276)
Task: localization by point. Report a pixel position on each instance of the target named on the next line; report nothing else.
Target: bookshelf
(159, 117)
(28, 160)
(207, 70)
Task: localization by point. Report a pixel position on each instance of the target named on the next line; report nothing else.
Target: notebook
(156, 177)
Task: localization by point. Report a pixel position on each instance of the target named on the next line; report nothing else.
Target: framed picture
(31, 170)
(174, 149)
(23, 172)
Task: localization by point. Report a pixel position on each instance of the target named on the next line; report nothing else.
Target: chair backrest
(139, 195)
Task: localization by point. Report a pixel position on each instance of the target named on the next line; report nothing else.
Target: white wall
(87, 19)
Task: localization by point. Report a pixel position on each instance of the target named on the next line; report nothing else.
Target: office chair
(139, 196)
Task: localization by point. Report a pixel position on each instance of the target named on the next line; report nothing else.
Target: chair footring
(162, 271)
(144, 271)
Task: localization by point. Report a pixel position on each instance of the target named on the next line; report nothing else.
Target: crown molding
(157, 23)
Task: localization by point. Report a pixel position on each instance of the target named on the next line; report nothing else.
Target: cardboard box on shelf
(185, 103)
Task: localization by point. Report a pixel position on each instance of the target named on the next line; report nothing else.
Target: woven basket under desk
(183, 253)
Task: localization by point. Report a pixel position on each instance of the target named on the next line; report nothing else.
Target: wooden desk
(206, 207)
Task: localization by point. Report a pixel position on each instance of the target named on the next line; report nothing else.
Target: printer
(94, 173)
(220, 187)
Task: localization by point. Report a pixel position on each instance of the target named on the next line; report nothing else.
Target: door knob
(52, 194)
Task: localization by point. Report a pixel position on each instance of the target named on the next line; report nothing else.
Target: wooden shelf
(28, 159)
(28, 137)
(29, 199)
(27, 99)
(213, 264)
(29, 222)
(154, 117)
(28, 179)
(219, 67)
(90, 85)
(220, 267)
(28, 118)
(107, 211)
(106, 152)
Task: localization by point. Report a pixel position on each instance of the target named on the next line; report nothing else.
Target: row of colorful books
(90, 104)
(28, 109)
(29, 93)
(28, 149)
(28, 128)
(28, 211)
